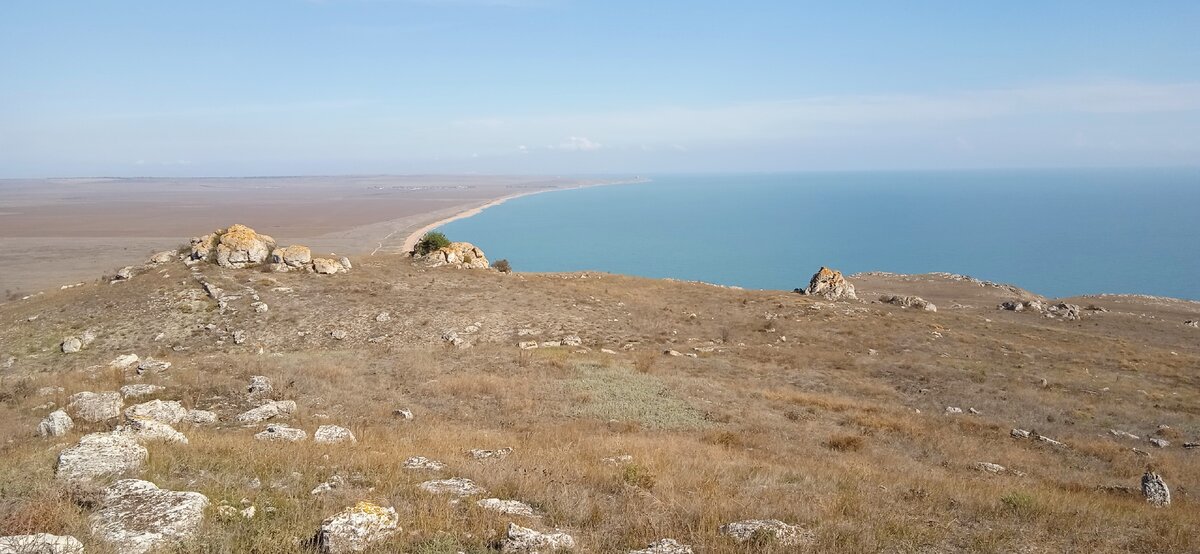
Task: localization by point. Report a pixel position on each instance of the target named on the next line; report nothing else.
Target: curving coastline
(410, 241)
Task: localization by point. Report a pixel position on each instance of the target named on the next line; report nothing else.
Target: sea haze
(1055, 232)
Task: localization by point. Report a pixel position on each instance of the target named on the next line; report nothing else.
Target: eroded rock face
(136, 516)
(40, 543)
(99, 454)
(909, 302)
(665, 546)
(55, 425)
(830, 285)
(332, 434)
(267, 411)
(236, 247)
(457, 254)
(165, 411)
(1155, 490)
(355, 529)
(753, 529)
(94, 407)
(527, 541)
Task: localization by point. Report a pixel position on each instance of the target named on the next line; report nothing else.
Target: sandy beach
(55, 232)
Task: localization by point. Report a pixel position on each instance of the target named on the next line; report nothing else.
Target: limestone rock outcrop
(463, 255)
(99, 454)
(94, 407)
(164, 411)
(830, 285)
(236, 247)
(354, 529)
(136, 516)
(909, 302)
(292, 257)
(333, 434)
(457, 486)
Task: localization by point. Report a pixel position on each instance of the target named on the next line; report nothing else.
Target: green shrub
(503, 266)
(432, 240)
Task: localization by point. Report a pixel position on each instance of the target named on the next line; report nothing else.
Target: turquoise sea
(1055, 232)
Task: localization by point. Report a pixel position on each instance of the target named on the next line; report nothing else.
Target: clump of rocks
(462, 255)
(240, 247)
(830, 285)
(909, 302)
(1062, 310)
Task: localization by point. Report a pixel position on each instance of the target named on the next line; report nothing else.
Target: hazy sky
(283, 87)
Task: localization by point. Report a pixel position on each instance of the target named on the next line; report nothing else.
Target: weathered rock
(71, 345)
(153, 366)
(326, 266)
(94, 407)
(40, 543)
(527, 344)
(909, 302)
(276, 432)
(163, 257)
(754, 529)
(456, 254)
(830, 285)
(1123, 434)
(510, 507)
(149, 430)
(99, 454)
(1019, 434)
(332, 434)
(1159, 443)
(200, 417)
(383, 317)
(1192, 323)
(1069, 312)
(527, 541)
(405, 415)
(294, 257)
(338, 334)
(355, 529)
(346, 265)
(1155, 490)
(259, 384)
(989, 467)
(55, 425)
(165, 411)
(140, 389)
(457, 486)
(1022, 306)
(572, 340)
(267, 411)
(124, 361)
(953, 410)
(240, 247)
(239, 337)
(136, 516)
(421, 462)
(497, 454)
(665, 546)
(125, 273)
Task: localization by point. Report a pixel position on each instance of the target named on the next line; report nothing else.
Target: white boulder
(136, 516)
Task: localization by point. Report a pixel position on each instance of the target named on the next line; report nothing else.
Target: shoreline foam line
(410, 242)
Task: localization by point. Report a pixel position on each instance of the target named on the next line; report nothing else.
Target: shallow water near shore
(1055, 232)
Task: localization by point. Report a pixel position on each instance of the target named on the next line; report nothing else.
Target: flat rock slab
(163, 411)
(281, 433)
(755, 529)
(354, 529)
(332, 434)
(99, 454)
(136, 516)
(267, 411)
(94, 407)
(457, 486)
(665, 546)
(510, 507)
(522, 540)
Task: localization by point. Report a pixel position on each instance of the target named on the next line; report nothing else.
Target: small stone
(345, 263)
(952, 410)
(338, 334)
(421, 462)
(498, 454)
(200, 417)
(152, 365)
(1019, 434)
(673, 353)
(146, 430)
(1123, 434)
(509, 507)
(259, 384)
(457, 486)
(355, 529)
(572, 340)
(1155, 490)
(989, 467)
(71, 345)
(332, 434)
(168, 411)
(383, 317)
(523, 540)
(276, 432)
(527, 344)
(55, 425)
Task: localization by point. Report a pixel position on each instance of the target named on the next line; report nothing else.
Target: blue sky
(282, 87)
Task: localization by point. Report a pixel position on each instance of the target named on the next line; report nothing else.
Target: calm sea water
(1055, 232)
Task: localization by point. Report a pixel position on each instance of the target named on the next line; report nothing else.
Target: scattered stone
(334, 482)
(498, 454)
(989, 467)
(1159, 443)
(345, 263)
(99, 454)
(421, 462)
(259, 384)
(55, 425)
(260, 307)
(527, 541)
(277, 432)
(40, 543)
(1047, 440)
(909, 302)
(94, 407)
(71, 345)
(665, 546)
(510, 507)
(239, 337)
(406, 415)
(49, 391)
(608, 351)
(1019, 434)
(1192, 323)
(1123, 434)
(550, 344)
(140, 389)
(355, 529)
(332, 434)
(150, 364)
(951, 410)
(973, 411)
(169, 411)
(572, 340)
(338, 334)
(453, 338)
(458, 486)
(1155, 490)
(146, 430)
(136, 516)
(383, 317)
(124, 361)
(125, 273)
(753, 529)
(672, 353)
(267, 411)
(200, 417)
(830, 285)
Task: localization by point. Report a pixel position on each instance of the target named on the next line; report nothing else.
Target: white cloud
(577, 144)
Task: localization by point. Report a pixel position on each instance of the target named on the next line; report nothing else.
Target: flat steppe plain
(831, 416)
(55, 232)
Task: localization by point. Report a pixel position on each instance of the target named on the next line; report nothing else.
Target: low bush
(432, 240)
